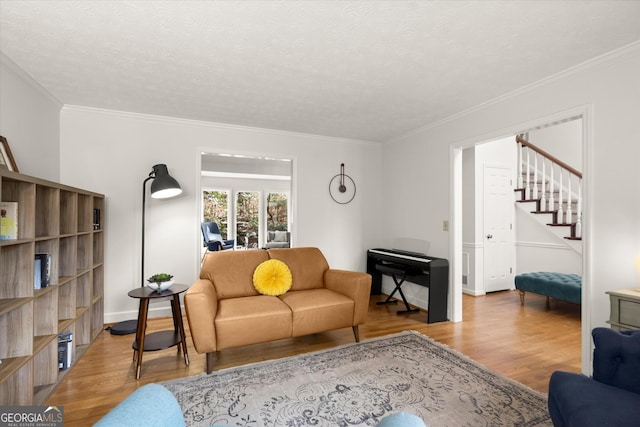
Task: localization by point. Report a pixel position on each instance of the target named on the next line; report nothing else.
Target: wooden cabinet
(66, 223)
(625, 309)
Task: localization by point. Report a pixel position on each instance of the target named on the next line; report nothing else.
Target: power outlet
(445, 225)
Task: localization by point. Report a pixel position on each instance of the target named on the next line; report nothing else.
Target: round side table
(163, 339)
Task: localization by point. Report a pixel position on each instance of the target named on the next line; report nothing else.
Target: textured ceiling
(369, 70)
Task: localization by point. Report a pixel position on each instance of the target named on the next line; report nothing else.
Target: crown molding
(223, 126)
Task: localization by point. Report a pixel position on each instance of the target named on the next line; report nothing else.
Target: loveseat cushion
(281, 236)
(251, 320)
(307, 266)
(317, 310)
(231, 272)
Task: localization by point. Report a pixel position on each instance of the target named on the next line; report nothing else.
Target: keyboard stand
(398, 275)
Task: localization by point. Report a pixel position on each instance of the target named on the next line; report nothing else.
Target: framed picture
(6, 158)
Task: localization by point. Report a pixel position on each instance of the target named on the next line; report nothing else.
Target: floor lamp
(164, 186)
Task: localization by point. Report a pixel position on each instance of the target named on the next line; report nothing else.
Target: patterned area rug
(358, 384)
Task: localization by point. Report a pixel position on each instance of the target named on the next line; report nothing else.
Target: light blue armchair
(153, 405)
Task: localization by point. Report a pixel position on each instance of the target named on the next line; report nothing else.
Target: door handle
(489, 236)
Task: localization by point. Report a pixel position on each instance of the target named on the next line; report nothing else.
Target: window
(248, 196)
(248, 218)
(277, 212)
(252, 220)
(215, 207)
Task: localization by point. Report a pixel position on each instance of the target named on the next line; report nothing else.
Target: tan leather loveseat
(224, 309)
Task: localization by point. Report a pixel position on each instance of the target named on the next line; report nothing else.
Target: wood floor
(526, 343)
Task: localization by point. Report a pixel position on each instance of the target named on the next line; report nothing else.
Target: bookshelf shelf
(59, 221)
(14, 242)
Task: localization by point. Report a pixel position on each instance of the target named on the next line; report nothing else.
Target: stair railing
(564, 210)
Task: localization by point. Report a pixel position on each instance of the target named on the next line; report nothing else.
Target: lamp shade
(164, 185)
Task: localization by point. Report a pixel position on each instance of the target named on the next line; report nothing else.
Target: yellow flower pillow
(272, 277)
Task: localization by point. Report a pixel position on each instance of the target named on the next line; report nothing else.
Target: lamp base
(123, 328)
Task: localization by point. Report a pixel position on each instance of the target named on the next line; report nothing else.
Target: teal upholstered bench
(564, 287)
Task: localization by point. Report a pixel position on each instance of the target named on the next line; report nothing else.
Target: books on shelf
(42, 270)
(8, 220)
(96, 219)
(65, 351)
(37, 274)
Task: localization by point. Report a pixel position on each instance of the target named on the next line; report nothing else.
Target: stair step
(546, 193)
(573, 213)
(564, 202)
(561, 224)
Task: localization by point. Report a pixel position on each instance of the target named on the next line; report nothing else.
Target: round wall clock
(342, 188)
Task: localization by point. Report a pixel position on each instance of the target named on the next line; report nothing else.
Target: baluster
(527, 191)
(569, 212)
(543, 195)
(551, 191)
(520, 169)
(535, 176)
(578, 228)
(560, 213)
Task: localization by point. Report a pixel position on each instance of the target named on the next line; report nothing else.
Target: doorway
(460, 267)
(249, 195)
(498, 228)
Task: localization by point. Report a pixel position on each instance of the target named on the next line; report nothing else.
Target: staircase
(546, 190)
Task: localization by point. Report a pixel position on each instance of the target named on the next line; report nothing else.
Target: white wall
(608, 89)
(562, 140)
(29, 119)
(113, 152)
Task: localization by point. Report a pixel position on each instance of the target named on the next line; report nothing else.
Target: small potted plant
(160, 282)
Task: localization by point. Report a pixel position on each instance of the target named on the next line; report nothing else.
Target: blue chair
(154, 405)
(612, 396)
(401, 419)
(150, 405)
(213, 239)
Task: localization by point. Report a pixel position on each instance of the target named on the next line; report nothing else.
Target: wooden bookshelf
(58, 220)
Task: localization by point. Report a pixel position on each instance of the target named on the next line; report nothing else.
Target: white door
(498, 228)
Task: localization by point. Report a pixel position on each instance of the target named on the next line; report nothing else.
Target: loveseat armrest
(354, 285)
(201, 305)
